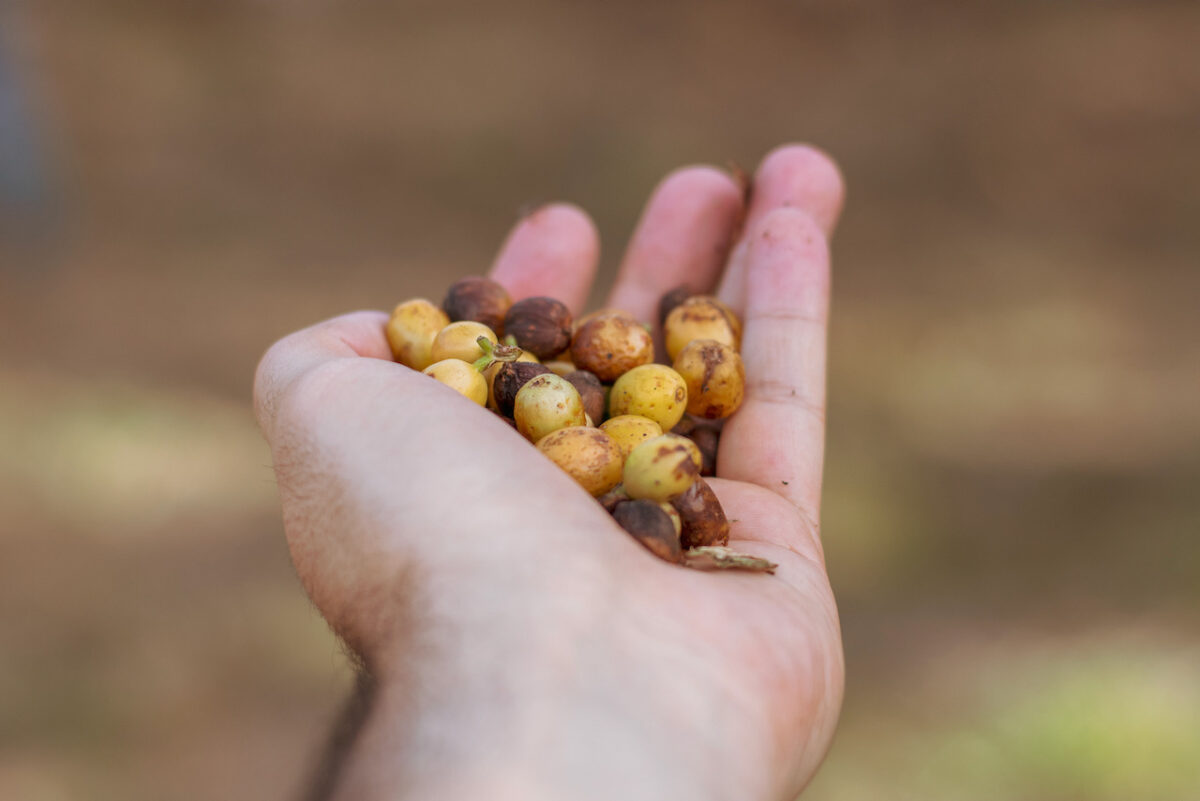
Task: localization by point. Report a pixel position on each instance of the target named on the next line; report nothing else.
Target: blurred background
(1013, 488)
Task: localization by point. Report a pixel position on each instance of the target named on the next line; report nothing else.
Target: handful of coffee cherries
(638, 436)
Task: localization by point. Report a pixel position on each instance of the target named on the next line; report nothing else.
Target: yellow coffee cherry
(587, 455)
(545, 404)
(461, 377)
(693, 451)
(716, 379)
(459, 341)
(660, 469)
(700, 317)
(630, 430)
(673, 513)
(730, 315)
(411, 330)
(560, 367)
(651, 390)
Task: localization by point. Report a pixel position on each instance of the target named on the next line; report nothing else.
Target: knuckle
(792, 223)
(290, 361)
(796, 233)
(297, 433)
(304, 397)
(789, 316)
(785, 393)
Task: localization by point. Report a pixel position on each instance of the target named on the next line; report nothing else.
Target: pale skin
(522, 645)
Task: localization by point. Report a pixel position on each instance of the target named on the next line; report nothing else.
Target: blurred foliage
(1104, 718)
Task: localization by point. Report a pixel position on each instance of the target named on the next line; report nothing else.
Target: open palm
(456, 560)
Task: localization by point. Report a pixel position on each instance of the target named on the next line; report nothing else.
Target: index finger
(683, 237)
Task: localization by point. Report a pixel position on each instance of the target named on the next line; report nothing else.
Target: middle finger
(683, 237)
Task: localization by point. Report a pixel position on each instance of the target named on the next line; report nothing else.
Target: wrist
(575, 746)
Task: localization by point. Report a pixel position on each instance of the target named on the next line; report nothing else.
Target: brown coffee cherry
(592, 392)
(661, 468)
(650, 526)
(509, 379)
(411, 330)
(670, 300)
(581, 321)
(490, 372)
(704, 521)
(614, 496)
(707, 437)
(700, 317)
(587, 455)
(707, 440)
(610, 344)
(716, 379)
(545, 404)
(479, 299)
(540, 325)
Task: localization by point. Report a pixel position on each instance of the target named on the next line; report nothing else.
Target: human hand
(524, 646)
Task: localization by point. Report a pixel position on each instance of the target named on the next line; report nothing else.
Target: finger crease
(783, 394)
(786, 316)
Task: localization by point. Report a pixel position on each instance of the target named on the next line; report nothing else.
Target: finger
(552, 252)
(776, 439)
(683, 237)
(792, 176)
(360, 334)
